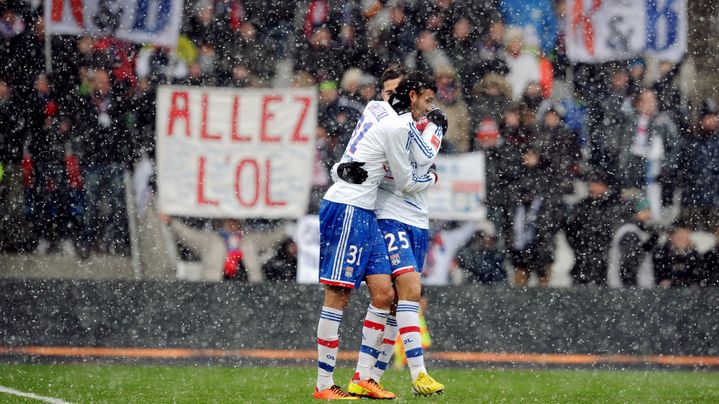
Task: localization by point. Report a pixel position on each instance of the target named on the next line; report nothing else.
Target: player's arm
(397, 153)
(425, 146)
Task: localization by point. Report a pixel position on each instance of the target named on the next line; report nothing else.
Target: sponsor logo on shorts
(395, 259)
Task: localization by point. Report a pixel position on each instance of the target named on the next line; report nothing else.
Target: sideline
(33, 396)
(458, 357)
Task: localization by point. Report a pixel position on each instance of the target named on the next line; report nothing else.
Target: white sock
(327, 346)
(372, 331)
(388, 340)
(408, 323)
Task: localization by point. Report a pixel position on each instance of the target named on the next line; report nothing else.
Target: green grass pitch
(85, 383)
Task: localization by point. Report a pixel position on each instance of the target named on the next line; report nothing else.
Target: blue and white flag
(140, 21)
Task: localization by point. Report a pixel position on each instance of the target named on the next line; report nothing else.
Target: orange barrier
(459, 357)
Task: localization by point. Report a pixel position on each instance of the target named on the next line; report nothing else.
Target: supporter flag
(600, 31)
(141, 21)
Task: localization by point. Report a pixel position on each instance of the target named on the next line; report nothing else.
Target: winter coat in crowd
(590, 228)
(11, 134)
(104, 136)
(481, 259)
(663, 158)
(677, 267)
(282, 266)
(559, 158)
(449, 100)
(320, 56)
(699, 170)
(710, 270)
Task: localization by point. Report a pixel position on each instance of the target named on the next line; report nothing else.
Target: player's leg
(402, 259)
(379, 282)
(409, 292)
(338, 246)
(389, 339)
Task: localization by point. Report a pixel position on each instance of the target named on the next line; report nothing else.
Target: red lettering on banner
(298, 137)
(236, 136)
(585, 20)
(179, 113)
(266, 116)
(203, 127)
(76, 9)
(238, 186)
(201, 199)
(268, 182)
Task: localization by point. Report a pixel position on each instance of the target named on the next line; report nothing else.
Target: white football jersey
(411, 208)
(382, 140)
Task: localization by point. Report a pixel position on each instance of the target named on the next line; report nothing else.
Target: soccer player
(404, 221)
(351, 245)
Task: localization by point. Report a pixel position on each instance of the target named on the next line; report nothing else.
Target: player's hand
(439, 118)
(433, 171)
(352, 172)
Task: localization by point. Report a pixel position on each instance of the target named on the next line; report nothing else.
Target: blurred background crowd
(623, 163)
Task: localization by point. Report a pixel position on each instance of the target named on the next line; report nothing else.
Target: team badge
(435, 141)
(394, 259)
(348, 272)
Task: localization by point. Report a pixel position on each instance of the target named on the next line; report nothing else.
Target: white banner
(460, 192)
(605, 30)
(307, 237)
(140, 21)
(235, 153)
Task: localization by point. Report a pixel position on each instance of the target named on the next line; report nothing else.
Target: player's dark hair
(416, 81)
(392, 72)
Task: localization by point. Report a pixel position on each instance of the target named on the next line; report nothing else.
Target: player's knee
(383, 298)
(412, 293)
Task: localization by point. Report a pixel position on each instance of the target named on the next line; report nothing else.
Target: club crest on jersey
(348, 272)
(395, 259)
(435, 141)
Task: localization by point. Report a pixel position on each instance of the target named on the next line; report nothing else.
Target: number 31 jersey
(381, 140)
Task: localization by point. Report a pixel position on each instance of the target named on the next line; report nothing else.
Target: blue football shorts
(351, 245)
(406, 246)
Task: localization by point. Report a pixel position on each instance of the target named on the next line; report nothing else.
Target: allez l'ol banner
(604, 30)
(235, 153)
(139, 21)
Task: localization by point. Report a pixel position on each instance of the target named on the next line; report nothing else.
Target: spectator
(397, 41)
(487, 59)
(631, 247)
(461, 46)
(282, 266)
(219, 248)
(710, 263)
(490, 99)
(649, 150)
(449, 100)
(677, 262)
(428, 56)
(523, 67)
(247, 55)
(15, 231)
(105, 150)
(481, 259)
(339, 115)
(321, 56)
(699, 171)
(590, 228)
(612, 120)
(203, 25)
(559, 154)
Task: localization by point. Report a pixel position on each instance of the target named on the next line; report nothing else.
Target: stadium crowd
(646, 156)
